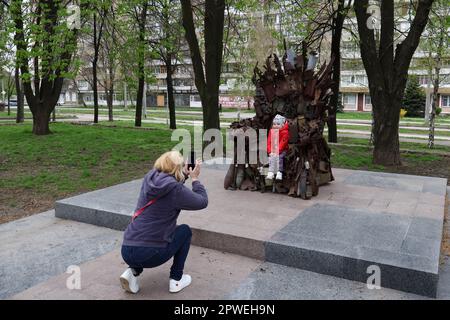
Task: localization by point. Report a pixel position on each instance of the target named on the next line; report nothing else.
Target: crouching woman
(153, 237)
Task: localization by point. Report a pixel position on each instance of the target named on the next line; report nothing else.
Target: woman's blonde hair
(172, 163)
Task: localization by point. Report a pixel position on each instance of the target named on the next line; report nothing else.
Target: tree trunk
(214, 25)
(386, 113)
(387, 72)
(207, 81)
(94, 69)
(110, 103)
(140, 98)
(41, 120)
(141, 66)
(171, 100)
(338, 22)
(95, 89)
(434, 104)
(9, 105)
(20, 97)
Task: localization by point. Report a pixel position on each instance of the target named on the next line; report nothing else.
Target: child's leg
(272, 163)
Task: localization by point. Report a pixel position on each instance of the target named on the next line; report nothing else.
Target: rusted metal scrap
(294, 90)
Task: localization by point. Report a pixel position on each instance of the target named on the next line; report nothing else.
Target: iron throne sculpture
(295, 91)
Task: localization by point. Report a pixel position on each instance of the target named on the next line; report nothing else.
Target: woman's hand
(196, 171)
(185, 169)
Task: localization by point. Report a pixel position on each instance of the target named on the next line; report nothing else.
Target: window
(82, 84)
(349, 98)
(445, 101)
(349, 46)
(361, 80)
(424, 80)
(349, 101)
(368, 100)
(195, 98)
(347, 79)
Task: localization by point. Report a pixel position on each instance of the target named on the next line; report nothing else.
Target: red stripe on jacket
(283, 140)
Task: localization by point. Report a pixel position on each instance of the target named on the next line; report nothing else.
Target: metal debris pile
(293, 89)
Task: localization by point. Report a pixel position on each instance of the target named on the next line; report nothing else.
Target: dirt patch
(438, 168)
(16, 204)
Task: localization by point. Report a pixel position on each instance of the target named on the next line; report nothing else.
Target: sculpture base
(363, 219)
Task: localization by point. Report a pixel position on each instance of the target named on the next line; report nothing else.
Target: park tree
(166, 42)
(6, 60)
(247, 43)
(414, 98)
(337, 25)
(45, 44)
(312, 24)
(141, 16)
(436, 45)
(109, 56)
(99, 11)
(135, 50)
(207, 69)
(386, 63)
(11, 82)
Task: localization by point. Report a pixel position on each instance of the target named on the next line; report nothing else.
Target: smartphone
(191, 163)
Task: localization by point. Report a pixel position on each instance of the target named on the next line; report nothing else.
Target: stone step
(362, 219)
(214, 275)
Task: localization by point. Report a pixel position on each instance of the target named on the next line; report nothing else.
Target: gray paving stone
(398, 182)
(36, 248)
(343, 242)
(273, 281)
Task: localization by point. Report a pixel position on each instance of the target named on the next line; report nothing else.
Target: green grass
(37, 170)
(360, 158)
(421, 132)
(349, 115)
(74, 158)
(406, 146)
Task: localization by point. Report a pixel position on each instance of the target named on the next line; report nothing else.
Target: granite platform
(362, 219)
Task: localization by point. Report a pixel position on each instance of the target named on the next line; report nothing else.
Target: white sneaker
(177, 286)
(269, 176)
(279, 175)
(129, 282)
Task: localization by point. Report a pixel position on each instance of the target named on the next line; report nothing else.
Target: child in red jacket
(277, 146)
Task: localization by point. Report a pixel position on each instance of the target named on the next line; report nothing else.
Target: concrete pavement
(361, 219)
(253, 279)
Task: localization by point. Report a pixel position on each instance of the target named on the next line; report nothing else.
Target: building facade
(353, 87)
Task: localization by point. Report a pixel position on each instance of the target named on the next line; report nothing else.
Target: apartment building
(353, 87)
(354, 83)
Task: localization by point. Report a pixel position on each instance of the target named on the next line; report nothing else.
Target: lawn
(360, 158)
(438, 131)
(348, 115)
(36, 171)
